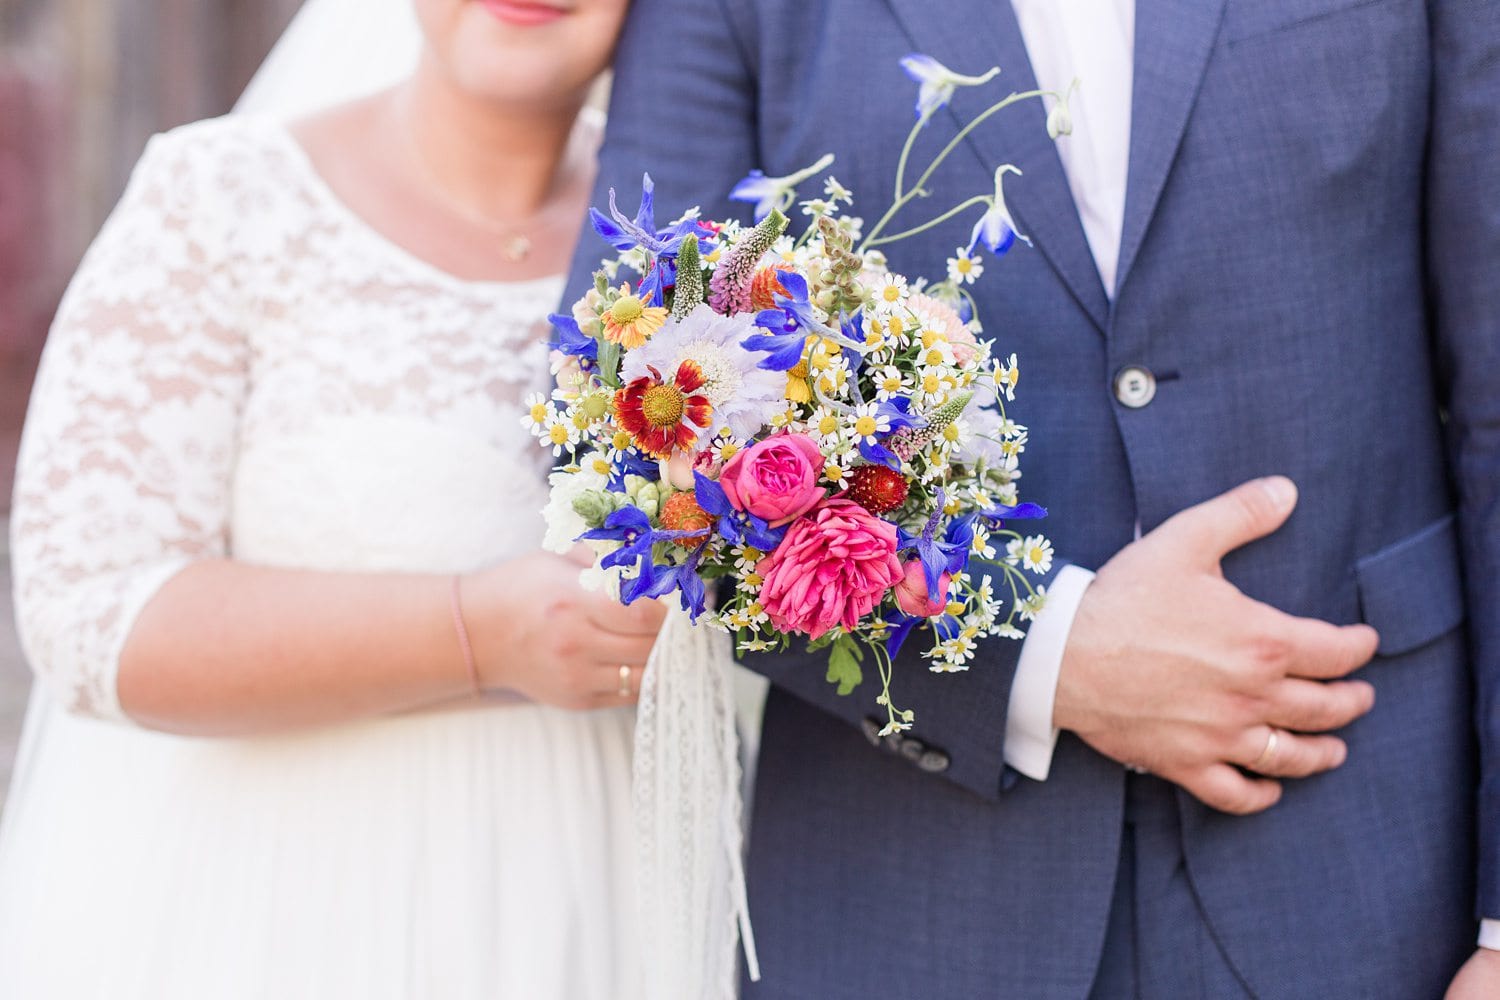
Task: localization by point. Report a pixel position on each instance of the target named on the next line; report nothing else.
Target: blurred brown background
(83, 84)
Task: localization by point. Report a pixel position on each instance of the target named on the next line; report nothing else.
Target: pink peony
(832, 568)
(775, 479)
(911, 592)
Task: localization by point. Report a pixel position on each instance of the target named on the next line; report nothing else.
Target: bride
(318, 718)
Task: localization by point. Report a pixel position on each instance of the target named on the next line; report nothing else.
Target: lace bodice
(243, 367)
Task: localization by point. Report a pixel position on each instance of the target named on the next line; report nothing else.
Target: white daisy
(964, 268)
(890, 292)
(1036, 554)
(869, 422)
(560, 432)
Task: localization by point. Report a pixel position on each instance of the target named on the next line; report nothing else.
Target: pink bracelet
(463, 639)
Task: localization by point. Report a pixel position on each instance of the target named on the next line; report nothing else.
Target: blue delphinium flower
(735, 526)
(791, 321)
(938, 82)
(949, 555)
(787, 325)
(631, 527)
(995, 228)
(1021, 512)
(774, 192)
(630, 462)
(661, 244)
(570, 339)
(683, 579)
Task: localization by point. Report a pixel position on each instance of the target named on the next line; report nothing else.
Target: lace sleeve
(129, 446)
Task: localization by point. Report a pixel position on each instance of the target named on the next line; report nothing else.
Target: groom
(1271, 247)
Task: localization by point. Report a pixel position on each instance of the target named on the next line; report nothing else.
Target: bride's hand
(537, 631)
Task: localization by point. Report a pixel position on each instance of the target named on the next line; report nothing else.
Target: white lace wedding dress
(243, 367)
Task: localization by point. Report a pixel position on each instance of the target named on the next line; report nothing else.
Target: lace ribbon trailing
(687, 814)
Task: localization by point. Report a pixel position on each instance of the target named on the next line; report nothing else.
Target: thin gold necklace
(516, 244)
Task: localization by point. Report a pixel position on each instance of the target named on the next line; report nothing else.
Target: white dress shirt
(1092, 41)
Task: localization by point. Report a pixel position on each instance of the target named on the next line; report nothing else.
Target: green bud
(594, 506)
(689, 291)
(595, 405)
(648, 499)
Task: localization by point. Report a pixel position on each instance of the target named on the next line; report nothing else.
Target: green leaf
(843, 665)
(609, 363)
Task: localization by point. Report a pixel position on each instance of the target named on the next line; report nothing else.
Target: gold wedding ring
(1269, 752)
(625, 691)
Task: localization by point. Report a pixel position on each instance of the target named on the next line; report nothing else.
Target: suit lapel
(1173, 39)
(969, 38)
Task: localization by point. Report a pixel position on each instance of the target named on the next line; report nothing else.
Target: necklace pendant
(517, 248)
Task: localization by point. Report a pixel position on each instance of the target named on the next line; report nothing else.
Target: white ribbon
(687, 814)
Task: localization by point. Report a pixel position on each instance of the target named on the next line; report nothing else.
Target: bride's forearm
(227, 648)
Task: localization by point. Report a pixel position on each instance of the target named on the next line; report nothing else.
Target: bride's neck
(501, 162)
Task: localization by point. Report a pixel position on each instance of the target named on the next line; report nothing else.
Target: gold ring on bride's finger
(624, 681)
(1268, 753)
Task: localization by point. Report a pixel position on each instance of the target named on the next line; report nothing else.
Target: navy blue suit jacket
(1311, 267)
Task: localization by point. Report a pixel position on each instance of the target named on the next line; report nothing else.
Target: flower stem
(978, 199)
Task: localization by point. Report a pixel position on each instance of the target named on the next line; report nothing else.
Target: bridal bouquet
(786, 415)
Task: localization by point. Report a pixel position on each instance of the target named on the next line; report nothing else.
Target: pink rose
(911, 592)
(775, 479)
(832, 568)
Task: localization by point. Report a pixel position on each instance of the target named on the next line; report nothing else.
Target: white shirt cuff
(1489, 934)
(1030, 736)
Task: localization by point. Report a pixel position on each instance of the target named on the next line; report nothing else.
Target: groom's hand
(1170, 668)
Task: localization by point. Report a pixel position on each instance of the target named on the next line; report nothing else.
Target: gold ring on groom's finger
(1269, 753)
(625, 687)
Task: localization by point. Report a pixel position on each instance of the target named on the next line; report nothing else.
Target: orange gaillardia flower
(662, 415)
(629, 322)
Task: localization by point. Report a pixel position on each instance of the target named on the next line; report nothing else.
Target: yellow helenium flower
(629, 322)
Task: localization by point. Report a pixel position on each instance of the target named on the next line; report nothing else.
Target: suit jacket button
(1135, 386)
(871, 729)
(912, 749)
(933, 762)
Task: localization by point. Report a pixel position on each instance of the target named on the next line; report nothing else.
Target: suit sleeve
(1463, 258)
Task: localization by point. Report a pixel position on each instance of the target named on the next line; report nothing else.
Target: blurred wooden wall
(83, 85)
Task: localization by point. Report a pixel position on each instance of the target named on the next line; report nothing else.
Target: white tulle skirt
(476, 853)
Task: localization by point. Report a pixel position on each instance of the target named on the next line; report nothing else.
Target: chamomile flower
(817, 206)
(981, 546)
(756, 645)
(538, 412)
(963, 267)
(1007, 376)
(1035, 554)
(1027, 608)
(890, 292)
(836, 192)
(725, 448)
(560, 432)
(834, 380)
(869, 422)
(890, 381)
(935, 382)
(1005, 630)
(825, 426)
(746, 558)
(835, 474)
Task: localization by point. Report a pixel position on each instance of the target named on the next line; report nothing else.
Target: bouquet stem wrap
(687, 814)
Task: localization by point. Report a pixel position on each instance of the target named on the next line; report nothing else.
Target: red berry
(877, 488)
